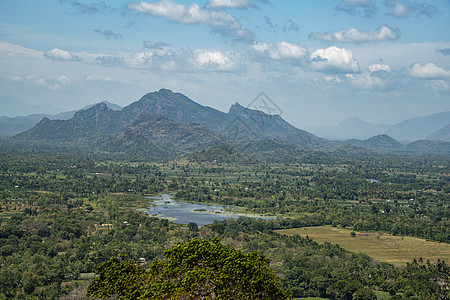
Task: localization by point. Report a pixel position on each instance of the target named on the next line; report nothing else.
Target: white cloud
(355, 36)
(377, 77)
(139, 60)
(379, 67)
(428, 71)
(400, 10)
(63, 79)
(334, 60)
(52, 84)
(221, 21)
(405, 8)
(94, 78)
(281, 50)
(163, 58)
(59, 54)
(229, 3)
(213, 60)
(329, 78)
(8, 49)
(367, 81)
(439, 85)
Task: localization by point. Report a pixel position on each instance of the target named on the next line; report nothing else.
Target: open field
(383, 247)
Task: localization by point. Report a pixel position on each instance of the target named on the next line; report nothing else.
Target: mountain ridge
(10, 126)
(418, 128)
(165, 122)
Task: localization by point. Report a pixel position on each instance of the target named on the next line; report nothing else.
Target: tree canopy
(198, 269)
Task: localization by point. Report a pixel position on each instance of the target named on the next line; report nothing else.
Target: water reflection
(181, 212)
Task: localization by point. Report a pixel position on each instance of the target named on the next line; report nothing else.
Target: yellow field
(383, 247)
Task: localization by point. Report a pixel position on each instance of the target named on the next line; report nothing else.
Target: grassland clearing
(380, 246)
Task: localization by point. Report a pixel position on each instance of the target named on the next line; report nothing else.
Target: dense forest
(65, 212)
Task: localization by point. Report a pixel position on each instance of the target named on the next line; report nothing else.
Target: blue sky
(319, 61)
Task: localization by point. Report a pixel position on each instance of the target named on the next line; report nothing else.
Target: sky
(319, 62)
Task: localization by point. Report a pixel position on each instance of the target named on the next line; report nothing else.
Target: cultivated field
(383, 247)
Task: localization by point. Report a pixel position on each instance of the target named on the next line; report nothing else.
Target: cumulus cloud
(157, 56)
(220, 21)
(379, 67)
(281, 50)
(50, 83)
(139, 60)
(353, 35)
(109, 34)
(378, 77)
(213, 60)
(62, 55)
(406, 8)
(399, 9)
(334, 60)
(428, 71)
(367, 82)
(229, 3)
(358, 7)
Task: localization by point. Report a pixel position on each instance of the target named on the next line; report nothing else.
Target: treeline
(62, 214)
(313, 270)
(43, 252)
(43, 255)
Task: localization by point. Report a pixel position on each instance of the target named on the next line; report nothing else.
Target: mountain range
(420, 128)
(11, 106)
(10, 126)
(165, 123)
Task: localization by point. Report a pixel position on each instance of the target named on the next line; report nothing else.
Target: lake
(182, 212)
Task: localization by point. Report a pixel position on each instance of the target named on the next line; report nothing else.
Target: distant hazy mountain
(385, 143)
(110, 105)
(382, 142)
(442, 134)
(60, 131)
(10, 126)
(351, 128)
(409, 130)
(11, 107)
(419, 128)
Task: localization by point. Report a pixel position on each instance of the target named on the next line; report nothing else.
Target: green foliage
(63, 211)
(364, 294)
(198, 269)
(116, 277)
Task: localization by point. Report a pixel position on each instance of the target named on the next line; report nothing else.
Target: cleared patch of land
(383, 247)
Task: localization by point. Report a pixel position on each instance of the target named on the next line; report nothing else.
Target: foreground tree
(198, 269)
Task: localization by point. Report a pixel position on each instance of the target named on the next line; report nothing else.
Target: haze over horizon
(320, 63)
